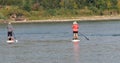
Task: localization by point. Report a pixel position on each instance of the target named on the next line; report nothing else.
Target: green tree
(118, 5)
(27, 5)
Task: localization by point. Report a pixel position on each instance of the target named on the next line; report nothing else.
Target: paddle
(15, 37)
(84, 36)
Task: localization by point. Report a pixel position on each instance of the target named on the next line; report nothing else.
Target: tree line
(63, 7)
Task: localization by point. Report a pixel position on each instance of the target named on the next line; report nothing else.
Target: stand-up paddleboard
(75, 40)
(10, 41)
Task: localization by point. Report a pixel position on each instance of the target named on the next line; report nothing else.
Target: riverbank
(88, 18)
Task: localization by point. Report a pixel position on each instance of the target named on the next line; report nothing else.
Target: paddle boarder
(10, 31)
(75, 28)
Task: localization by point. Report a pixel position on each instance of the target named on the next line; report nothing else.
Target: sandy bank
(89, 18)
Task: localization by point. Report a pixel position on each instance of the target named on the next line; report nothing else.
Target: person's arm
(72, 27)
(78, 26)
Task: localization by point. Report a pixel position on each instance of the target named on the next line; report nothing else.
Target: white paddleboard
(75, 40)
(10, 41)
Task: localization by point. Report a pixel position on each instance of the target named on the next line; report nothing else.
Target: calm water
(51, 43)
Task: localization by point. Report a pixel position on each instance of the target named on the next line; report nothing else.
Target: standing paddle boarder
(10, 31)
(75, 28)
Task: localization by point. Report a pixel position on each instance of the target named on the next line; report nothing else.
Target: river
(51, 43)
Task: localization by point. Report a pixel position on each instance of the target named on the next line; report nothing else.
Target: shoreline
(88, 18)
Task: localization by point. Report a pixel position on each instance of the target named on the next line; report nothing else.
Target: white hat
(74, 22)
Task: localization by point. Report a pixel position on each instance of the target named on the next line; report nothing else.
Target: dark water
(51, 43)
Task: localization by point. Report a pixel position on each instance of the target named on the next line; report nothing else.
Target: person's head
(74, 22)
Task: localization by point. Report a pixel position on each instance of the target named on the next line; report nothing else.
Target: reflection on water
(76, 52)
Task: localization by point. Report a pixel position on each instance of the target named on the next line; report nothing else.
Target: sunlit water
(51, 43)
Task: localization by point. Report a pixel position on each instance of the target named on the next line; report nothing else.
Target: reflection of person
(75, 28)
(10, 31)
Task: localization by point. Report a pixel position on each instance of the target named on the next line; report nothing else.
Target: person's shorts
(9, 33)
(75, 31)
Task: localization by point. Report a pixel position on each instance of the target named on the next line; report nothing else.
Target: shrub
(1, 16)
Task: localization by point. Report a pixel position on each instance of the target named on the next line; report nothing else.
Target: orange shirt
(75, 27)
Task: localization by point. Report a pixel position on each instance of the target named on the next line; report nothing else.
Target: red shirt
(75, 27)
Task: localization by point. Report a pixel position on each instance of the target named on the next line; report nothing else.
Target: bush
(1, 16)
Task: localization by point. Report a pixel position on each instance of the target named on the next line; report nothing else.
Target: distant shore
(88, 18)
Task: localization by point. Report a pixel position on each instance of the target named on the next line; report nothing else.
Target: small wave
(33, 33)
(100, 35)
(116, 35)
(103, 35)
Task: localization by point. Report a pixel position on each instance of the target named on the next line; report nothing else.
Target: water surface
(51, 43)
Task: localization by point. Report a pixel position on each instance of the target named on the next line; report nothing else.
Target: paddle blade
(87, 38)
(16, 41)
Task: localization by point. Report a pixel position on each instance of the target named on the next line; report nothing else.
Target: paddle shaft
(84, 36)
(14, 35)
